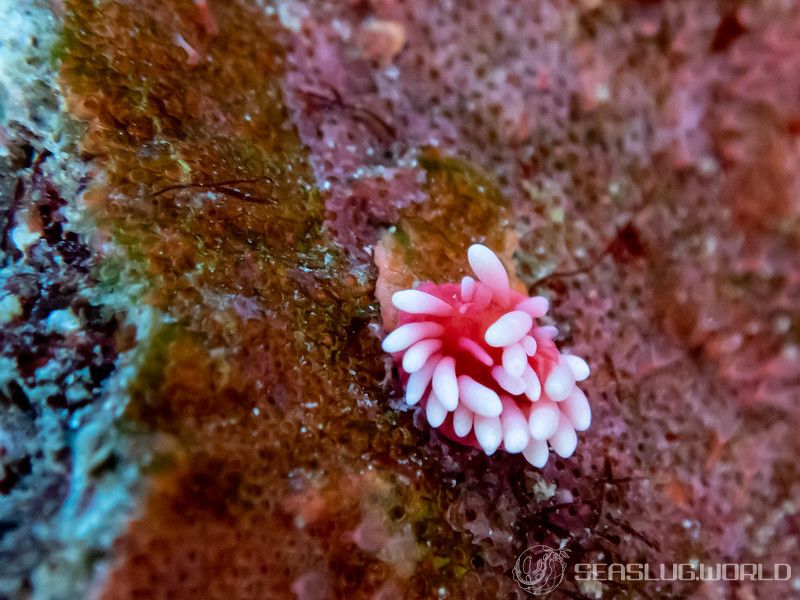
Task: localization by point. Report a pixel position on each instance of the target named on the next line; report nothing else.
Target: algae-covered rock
(206, 204)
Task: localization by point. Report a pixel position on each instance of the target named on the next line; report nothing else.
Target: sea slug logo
(540, 569)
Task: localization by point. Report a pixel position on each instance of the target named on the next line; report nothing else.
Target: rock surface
(193, 400)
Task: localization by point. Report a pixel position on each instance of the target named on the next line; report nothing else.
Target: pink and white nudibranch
(487, 374)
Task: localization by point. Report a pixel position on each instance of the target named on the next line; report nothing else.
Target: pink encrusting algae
(489, 375)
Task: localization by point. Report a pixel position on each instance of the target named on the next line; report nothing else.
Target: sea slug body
(485, 372)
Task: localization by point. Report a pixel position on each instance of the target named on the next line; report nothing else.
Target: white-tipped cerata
(529, 344)
(489, 433)
(548, 331)
(462, 420)
(536, 453)
(445, 383)
(533, 387)
(512, 398)
(564, 440)
(434, 411)
(560, 382)
(515, 427)
(467, 288)
(508, 329)
(410, 333)
(421, 303)
(481, 399)
(535, 307)
(543, 420)
(416, 356)
(418, 381)
(476, 350)
(515, 360)
(513, 385)
(576, 408)
(579, 366)
(490, 271)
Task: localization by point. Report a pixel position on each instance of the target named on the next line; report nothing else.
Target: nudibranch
(487, 374)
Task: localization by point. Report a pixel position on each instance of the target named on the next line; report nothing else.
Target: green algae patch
(150, 373)
(463, 206)
(429, 242)
(205, 186)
